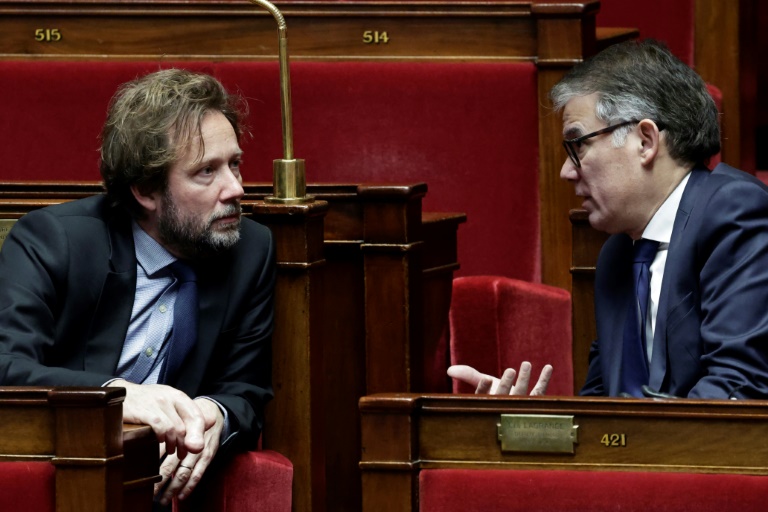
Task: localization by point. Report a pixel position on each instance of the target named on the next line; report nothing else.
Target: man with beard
(88, 289)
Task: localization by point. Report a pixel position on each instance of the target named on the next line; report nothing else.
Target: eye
(235, 164)
(206, 171)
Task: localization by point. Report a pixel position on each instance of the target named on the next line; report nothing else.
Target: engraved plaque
(5, 227)
(537, 433)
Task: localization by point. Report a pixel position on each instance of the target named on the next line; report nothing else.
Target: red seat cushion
(256, 481)
(448, 490)
(27, 486)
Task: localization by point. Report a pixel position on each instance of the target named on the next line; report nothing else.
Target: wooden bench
(75, 443)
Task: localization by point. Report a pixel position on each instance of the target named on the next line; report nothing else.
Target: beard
(193, 236)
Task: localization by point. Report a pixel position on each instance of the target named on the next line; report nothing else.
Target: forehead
(579, 116)
(214, 134)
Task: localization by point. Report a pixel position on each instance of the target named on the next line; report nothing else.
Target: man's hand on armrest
(182, 475)
(176, 419)
(486, 384)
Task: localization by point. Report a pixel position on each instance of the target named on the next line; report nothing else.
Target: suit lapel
(110, 320)
(658, 367)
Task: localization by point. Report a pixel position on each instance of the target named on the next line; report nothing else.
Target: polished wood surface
(404, 433)
(101, 464)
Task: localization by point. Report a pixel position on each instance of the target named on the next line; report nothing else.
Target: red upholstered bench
(466, 129)
(448, 490)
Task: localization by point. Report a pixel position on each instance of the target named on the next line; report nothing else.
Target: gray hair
(643, 80)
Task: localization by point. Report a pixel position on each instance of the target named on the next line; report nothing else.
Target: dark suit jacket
(711, 337)
(67, 284)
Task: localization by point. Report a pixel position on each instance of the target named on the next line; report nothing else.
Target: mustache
(228, 211)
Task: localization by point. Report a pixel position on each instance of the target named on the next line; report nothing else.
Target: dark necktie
(634, 361)
(184, 335)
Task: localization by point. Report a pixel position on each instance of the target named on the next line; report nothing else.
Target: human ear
(650, 139)
(148, 200)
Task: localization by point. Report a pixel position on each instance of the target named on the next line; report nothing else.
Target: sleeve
(733, 253)
(34, 264)
(593, 386)
(241, 377)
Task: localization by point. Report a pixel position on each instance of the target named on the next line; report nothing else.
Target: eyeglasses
(570, 145)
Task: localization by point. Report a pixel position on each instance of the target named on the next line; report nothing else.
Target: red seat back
(496, 323)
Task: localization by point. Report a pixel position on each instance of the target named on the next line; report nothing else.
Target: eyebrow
(572, 133)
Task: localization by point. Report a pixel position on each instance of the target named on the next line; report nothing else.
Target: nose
(232, 189)
(569, 172)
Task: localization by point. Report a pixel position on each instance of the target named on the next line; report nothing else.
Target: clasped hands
(507, 384)
(188, 431)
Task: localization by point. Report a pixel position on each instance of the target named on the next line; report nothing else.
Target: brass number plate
(537, 433)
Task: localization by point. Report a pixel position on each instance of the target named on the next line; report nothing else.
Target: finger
(182, 475)
(194, 423)
(465, 374)
(506, 382)
(484, 386)
(521, 386)
(167, 467)
(541, 386)
(201, 465)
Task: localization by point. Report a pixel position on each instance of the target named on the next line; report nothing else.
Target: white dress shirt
(660, 229)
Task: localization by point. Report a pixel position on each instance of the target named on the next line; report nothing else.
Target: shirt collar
(152, 256)
(662, 222)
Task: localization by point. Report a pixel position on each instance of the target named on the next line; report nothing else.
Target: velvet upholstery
(27, 486)
(463, 128)
(671, 22)
(497, 322)
(257, 481)
(448, 490)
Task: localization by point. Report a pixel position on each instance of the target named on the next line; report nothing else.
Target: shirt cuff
(226, 432)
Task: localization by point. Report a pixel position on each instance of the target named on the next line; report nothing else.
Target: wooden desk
(404, 433)
(101, 464)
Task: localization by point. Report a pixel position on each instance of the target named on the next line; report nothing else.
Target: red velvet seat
(448, 490)
(257, 481)
(497, 322)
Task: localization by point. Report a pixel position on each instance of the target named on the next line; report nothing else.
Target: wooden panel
(80, 431)
(237, 30)
(404, 433)
(724, 36)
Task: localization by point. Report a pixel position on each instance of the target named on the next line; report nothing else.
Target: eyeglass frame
(571, 151)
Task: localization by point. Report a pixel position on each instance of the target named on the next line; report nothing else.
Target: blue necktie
(634, 361)
(184, 335)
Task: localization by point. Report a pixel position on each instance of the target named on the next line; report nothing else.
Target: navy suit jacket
(67, 284)
(711, 336)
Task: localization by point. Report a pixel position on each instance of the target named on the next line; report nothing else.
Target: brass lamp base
(290, 183)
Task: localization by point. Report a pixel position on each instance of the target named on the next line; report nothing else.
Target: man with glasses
(681, 287)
